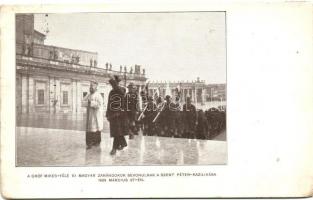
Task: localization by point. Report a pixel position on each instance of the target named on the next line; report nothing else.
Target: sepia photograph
(180, 99)
(97, 89)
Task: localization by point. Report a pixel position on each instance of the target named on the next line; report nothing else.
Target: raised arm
(97, 102)
(85, 100)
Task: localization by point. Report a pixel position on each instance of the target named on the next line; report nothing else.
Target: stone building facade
(216, 92)
(52, 79)
(194, 89)
(198, 90)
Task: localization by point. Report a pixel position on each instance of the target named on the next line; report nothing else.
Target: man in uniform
(149, 115)
(131, 110)
(94, 122)
(167, 118)
(190, 119)
(157, 122)
(116, 115)
(178, 118)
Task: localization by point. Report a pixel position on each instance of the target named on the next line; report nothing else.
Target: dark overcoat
(131, 103)
(190, 117)
(116, 113)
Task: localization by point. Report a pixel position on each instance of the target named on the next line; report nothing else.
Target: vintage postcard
(185, 101)
(176, 116)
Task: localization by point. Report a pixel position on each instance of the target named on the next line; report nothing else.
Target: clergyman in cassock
(94, 103)
(116, 115)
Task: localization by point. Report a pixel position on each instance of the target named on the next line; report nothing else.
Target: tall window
(41, 97)
(65, 97)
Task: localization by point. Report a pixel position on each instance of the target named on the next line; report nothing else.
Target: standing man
(157, 121)
(190, 119)
(177, 118)
(149, 114)
(131, 110)
(202, 131)
(116, 115)
(94, 103)
(167, 117)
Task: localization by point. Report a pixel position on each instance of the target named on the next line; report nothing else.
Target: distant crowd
(172, 120)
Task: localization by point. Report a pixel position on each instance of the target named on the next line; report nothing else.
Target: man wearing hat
(116, 115)
(131, 110)
(94, 123)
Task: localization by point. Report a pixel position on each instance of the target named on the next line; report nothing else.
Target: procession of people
(131, 111)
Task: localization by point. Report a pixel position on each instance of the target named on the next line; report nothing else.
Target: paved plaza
(60, 141)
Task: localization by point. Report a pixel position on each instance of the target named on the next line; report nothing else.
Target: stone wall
(61, 95)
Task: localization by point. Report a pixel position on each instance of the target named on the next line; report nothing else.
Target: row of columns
(191, 92)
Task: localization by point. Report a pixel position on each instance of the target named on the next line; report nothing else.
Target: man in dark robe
(190, 119)
(116, 115)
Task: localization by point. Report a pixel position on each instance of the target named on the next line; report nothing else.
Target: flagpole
(125, 78)
(140, 98)
(211, 98)
(195, 97)
(221, 102)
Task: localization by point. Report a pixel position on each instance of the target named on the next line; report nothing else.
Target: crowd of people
(170, 119)
(130, 112)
